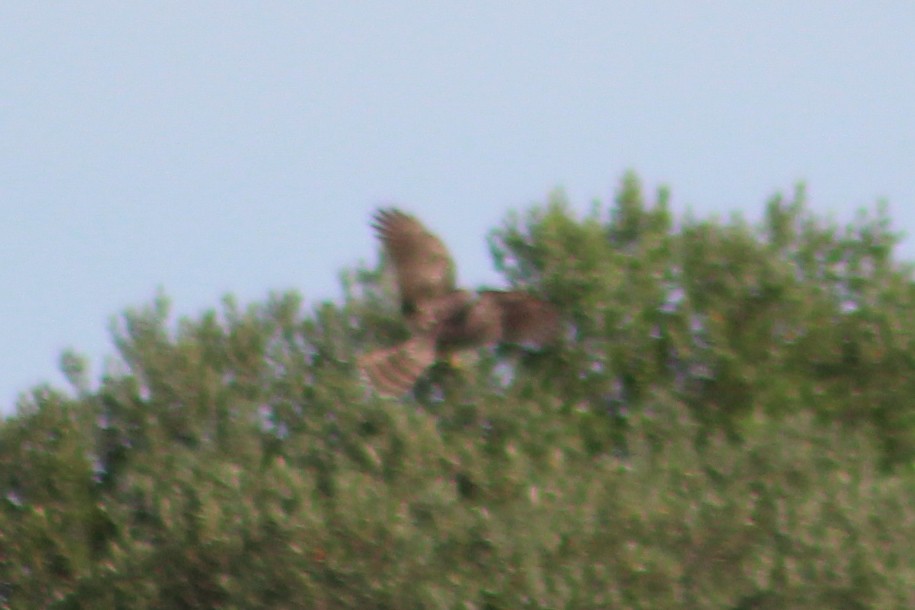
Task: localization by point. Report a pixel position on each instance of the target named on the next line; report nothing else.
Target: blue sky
(240, 147)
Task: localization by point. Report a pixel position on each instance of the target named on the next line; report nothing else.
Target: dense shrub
(727, 424)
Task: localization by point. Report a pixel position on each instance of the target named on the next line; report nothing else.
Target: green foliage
(725, 425)
(795, 314)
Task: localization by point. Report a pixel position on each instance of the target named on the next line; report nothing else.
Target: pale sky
(239, 147)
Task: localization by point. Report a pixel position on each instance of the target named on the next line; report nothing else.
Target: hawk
(443, 319)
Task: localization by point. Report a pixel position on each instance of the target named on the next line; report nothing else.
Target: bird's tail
(393, 370)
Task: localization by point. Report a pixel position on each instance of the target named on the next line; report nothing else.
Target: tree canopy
(727, 422)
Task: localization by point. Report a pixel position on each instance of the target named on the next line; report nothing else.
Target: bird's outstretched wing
(392, 371)
(422, 264)
(526, 320)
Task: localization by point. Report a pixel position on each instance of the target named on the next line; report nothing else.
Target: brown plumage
(443, 319)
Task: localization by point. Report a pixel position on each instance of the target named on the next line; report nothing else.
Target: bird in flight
(441, 318)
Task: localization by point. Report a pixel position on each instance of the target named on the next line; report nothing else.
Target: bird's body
(442, 318)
